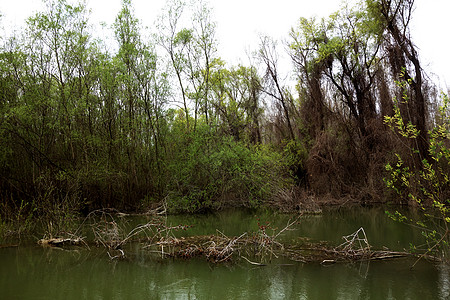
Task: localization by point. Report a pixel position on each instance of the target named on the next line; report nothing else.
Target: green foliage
(396, 121)
(210, 172)
(295, 155)
(425, 183)
(183, 37)
(83, 127)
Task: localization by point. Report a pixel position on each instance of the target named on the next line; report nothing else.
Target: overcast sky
(240, 21)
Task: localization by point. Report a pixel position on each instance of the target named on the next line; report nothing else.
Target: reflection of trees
(443, 281)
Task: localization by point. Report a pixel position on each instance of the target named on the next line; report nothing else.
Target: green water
(32, 272)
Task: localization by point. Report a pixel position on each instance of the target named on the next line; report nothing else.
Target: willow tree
(48, 110)
(251, 92)
(53, 68)
(309, 69)
(128, 38)
(394, 16)
(340, 61)
(191, 49)
(347, 51)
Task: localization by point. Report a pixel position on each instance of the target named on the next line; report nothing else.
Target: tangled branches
(220, 248)
(355, 247)
(215, 248)
(113, 232)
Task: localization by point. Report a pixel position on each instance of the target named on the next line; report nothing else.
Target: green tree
(143, 93)
(346, 50)
(237, 100)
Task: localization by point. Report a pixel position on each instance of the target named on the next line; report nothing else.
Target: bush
(424, 182)
(214, 172)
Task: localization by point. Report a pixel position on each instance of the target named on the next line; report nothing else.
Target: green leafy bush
(423, 181)
(211, 172)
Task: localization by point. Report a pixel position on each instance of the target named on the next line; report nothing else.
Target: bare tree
(174, 41)
(273, 86)
(395, 16)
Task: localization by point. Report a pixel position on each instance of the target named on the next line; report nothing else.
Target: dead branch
(256, 249)
(62, 242)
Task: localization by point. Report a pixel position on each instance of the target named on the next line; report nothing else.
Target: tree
(273, 85)
(56, 80)
(237, 100)
(143, 94)
(310, 72)
(205, 47)
(347, 52)
(427, 184)
(174, 42)
(394, 17)
(341, 69)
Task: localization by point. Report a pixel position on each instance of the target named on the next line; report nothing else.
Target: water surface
(33, 272)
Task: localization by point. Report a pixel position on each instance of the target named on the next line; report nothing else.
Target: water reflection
(444, 281)
(38, 273)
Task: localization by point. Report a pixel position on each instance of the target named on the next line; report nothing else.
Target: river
(30, 271)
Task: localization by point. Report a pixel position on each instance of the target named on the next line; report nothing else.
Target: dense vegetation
(164, 119)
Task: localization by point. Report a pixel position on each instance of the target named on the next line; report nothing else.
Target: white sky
(240, 21)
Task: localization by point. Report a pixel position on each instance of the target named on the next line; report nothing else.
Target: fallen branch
(61, 242)
(256, 249)
(253, 263)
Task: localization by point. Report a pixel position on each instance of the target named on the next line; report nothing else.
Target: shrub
(425, 181)
(213, 172)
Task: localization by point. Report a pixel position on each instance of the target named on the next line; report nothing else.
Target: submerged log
(9, 246)
(60, 242)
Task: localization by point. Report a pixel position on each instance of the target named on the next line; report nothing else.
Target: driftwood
(61, 242)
